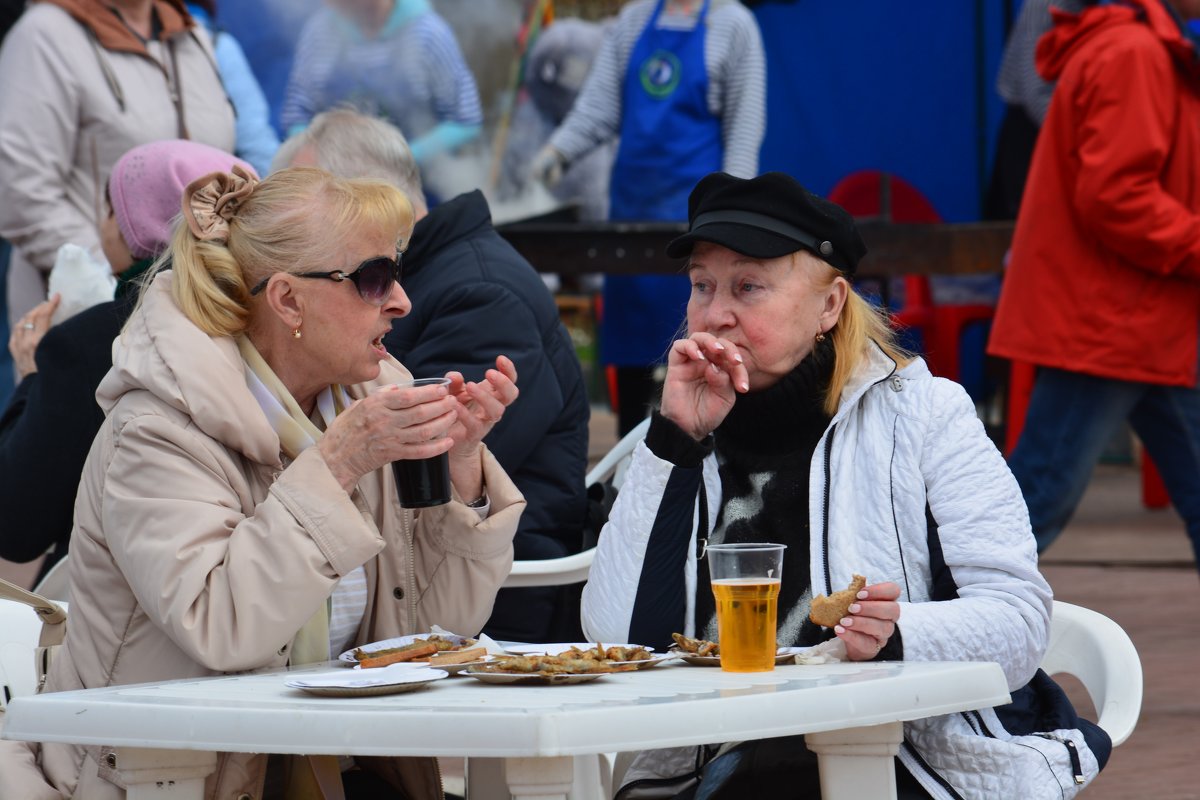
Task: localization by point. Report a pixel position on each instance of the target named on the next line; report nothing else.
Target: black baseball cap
(767, 217)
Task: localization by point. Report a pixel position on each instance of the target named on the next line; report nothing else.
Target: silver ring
(28, 326)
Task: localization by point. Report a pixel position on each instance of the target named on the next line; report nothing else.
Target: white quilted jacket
(900, 440)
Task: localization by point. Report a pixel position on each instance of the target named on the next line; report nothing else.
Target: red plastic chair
(873, 193)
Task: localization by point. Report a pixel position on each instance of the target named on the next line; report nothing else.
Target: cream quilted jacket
(901, 442)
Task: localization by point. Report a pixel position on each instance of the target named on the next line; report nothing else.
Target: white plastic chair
(1098, 652)
(20, 628)
(574, 568)
(23, 631)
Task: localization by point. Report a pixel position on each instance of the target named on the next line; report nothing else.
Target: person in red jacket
(1103, 285)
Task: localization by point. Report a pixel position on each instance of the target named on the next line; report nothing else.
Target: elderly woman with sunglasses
(237, 509)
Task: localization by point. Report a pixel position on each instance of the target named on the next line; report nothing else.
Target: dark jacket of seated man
(474, 297)
(47, 430)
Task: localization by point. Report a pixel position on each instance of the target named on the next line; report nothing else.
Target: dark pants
(1014, 150)
(780, 768)
(1072, 417)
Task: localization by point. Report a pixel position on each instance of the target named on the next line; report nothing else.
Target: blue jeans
(1072, 417)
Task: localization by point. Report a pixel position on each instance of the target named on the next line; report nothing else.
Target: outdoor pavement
(1136, 567)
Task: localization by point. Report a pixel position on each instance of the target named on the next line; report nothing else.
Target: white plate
(647, 663)
(534, 678)
(555, 648)
(398, 641)
(384, 680)
(783, 655)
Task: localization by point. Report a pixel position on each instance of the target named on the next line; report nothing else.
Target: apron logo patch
(660, 73)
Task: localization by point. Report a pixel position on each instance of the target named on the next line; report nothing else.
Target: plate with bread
(444, 651)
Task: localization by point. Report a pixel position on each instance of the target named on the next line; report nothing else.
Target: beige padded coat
(196, 551)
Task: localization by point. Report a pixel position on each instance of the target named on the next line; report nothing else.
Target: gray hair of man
(354, 145)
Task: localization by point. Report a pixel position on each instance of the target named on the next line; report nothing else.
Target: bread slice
(829, 611)
(409, 652)
(448, 657)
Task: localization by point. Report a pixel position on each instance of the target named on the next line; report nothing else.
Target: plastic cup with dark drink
(423, 482)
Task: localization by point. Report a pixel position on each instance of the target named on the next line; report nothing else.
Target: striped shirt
(412, 75)
(348, 606)
(737, 83)
(1018, 81)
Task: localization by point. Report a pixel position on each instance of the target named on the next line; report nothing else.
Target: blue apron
(669, 141)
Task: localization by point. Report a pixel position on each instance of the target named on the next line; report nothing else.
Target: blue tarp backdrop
(907, 88)
(904, 87)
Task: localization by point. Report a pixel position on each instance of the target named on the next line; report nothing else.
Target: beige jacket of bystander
(77, 90)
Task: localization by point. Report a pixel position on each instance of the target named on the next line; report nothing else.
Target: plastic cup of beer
(745, 582)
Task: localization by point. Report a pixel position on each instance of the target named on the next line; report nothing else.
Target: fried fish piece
(521, 664)
(615, 653)
(701, 647)
(829, 611)
(548, 665)
(556, 665)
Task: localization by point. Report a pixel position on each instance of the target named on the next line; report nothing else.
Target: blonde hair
(293, 221)
(859, 325)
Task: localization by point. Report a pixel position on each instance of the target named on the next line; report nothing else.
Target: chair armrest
(551, 571)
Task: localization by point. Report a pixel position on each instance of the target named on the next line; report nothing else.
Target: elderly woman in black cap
(789, 415)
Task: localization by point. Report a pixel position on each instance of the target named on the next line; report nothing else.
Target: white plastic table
(167, 734)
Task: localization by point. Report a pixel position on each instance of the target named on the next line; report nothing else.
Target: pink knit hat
(146, 188)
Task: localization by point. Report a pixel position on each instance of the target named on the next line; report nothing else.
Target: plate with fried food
(545, 669)
(429, 649)
(703, 653)
(387, 680)
(640, 656)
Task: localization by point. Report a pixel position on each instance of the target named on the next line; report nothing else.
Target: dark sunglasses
(373, 278)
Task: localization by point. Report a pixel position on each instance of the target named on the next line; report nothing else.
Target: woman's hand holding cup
(394, 423)
(704, 376)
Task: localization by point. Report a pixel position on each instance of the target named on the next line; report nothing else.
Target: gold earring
(820, 336)
(295, 333)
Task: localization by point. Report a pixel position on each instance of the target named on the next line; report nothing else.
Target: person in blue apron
(651, 85)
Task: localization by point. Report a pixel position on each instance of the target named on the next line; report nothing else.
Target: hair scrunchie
(209, 203)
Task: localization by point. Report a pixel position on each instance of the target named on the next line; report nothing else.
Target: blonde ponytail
(208, 285)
